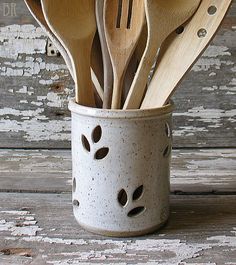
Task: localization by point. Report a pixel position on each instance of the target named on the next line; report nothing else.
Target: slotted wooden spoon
(163, 17)
(74, 24)
(183, 51)
(123, 24)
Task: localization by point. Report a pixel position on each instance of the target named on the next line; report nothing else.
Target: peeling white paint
(18, 39)
(34, 130)
(204, 64)
(30, 67)
(20, 226)
(16, 212)
(25, 90)
(209, 115)
(154, 251)
(216, 51)
(22, 47)
(113, 251)
(211, 59)
(188, 130)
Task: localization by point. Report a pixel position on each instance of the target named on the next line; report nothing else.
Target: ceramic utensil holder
(121, 168)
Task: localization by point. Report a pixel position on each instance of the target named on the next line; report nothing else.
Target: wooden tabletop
(37, 226)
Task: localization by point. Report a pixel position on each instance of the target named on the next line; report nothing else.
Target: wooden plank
(193, 171)
(40, 229)
(35, 89)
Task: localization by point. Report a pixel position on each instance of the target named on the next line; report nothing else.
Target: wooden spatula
(183, 51)
(74, 24)
(163, 17)
(123, 24)
(35, 9)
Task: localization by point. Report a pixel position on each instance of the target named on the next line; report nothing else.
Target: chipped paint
(208, 115)
(158, 250)
(212, 118)
(32, 123)
(19, 39)
(23, 57)
(212, 59)
(168, 251)
(34, 130)
(31, 67)
(24, 226)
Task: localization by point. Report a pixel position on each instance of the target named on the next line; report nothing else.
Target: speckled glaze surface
(121, 168)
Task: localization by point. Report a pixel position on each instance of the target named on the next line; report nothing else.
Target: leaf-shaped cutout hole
(167, 151)
(74, 185)
(101, 153)
(123, 197)
(136, 211)
(97, 134)
(167, 130)
(138, 193)
(85, 143)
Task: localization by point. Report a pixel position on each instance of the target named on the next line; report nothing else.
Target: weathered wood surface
(40, 229)
(35, 88)
(193, 171)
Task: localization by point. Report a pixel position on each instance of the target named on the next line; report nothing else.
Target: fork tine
(124, 14)
(119, 12)
(137, 6)
(130, 14)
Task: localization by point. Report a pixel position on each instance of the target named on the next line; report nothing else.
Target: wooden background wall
(35, 88)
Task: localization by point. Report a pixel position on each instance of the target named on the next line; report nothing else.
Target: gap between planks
(193, 171)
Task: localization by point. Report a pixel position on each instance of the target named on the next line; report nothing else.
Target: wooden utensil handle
(183, 52)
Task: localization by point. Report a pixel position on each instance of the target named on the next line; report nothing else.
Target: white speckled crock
(121, 168)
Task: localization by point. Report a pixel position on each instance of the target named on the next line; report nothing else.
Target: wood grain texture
(162, 18)
(200, 231)
(74, 24)
(122, 37)
(35, 8)
(35, 89)
(183, 51)
(193, 171)
(107, 66)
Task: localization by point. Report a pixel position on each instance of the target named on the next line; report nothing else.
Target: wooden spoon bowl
(74, 24)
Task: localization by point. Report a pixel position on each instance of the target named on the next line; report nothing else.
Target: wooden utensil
(107, 66)
(183, 51)
(123, 24)
(134, 62)
(74, 24)
(163, 17)
(35, 9)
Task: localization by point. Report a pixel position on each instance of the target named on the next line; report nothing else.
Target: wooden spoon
(183, 51)
(107, 66)
(35, 9)
(163, 17)
(74, 24)
(123, 24)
